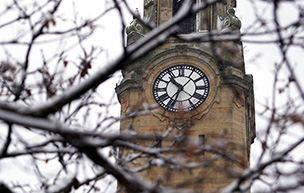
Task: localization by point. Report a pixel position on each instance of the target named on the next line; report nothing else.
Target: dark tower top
(211, 18)
(219, 16)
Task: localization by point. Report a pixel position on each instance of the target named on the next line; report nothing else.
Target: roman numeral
(201, 87)
(171, 74)
(171, 103)
(181, 72)
(198, 96)
(198, 79)
(163, 97)
(161, 89)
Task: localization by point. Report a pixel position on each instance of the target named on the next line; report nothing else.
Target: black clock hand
(182, 89)
(186, 84)
(178, 91)
(179, 86)
(185, 91)
(172, 101)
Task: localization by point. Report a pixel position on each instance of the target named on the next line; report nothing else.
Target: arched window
(194, 23)
(188, 25)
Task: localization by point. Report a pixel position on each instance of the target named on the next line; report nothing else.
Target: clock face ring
(181, 87)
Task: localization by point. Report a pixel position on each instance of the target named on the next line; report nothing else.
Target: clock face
(181, 88)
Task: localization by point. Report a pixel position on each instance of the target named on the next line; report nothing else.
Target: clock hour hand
(172, 102)
(178, 91)
(178, 85)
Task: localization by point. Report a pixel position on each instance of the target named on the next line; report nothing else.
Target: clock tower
(194, 102)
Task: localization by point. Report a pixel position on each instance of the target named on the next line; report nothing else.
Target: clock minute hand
(183, 86)
(186, 83)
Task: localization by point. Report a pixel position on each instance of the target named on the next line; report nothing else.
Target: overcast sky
(259, 58)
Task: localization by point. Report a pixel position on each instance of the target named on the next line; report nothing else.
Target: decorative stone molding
(231, 22)
(134, 31)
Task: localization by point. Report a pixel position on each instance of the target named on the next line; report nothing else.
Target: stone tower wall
(225, 120)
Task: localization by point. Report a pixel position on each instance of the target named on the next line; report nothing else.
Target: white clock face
(181, 88)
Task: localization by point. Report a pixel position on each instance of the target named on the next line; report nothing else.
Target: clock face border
(161, 61)
(181, 87)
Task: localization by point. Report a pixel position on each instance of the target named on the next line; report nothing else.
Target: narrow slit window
(201, 21)
(201, 140)
(158, 142)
